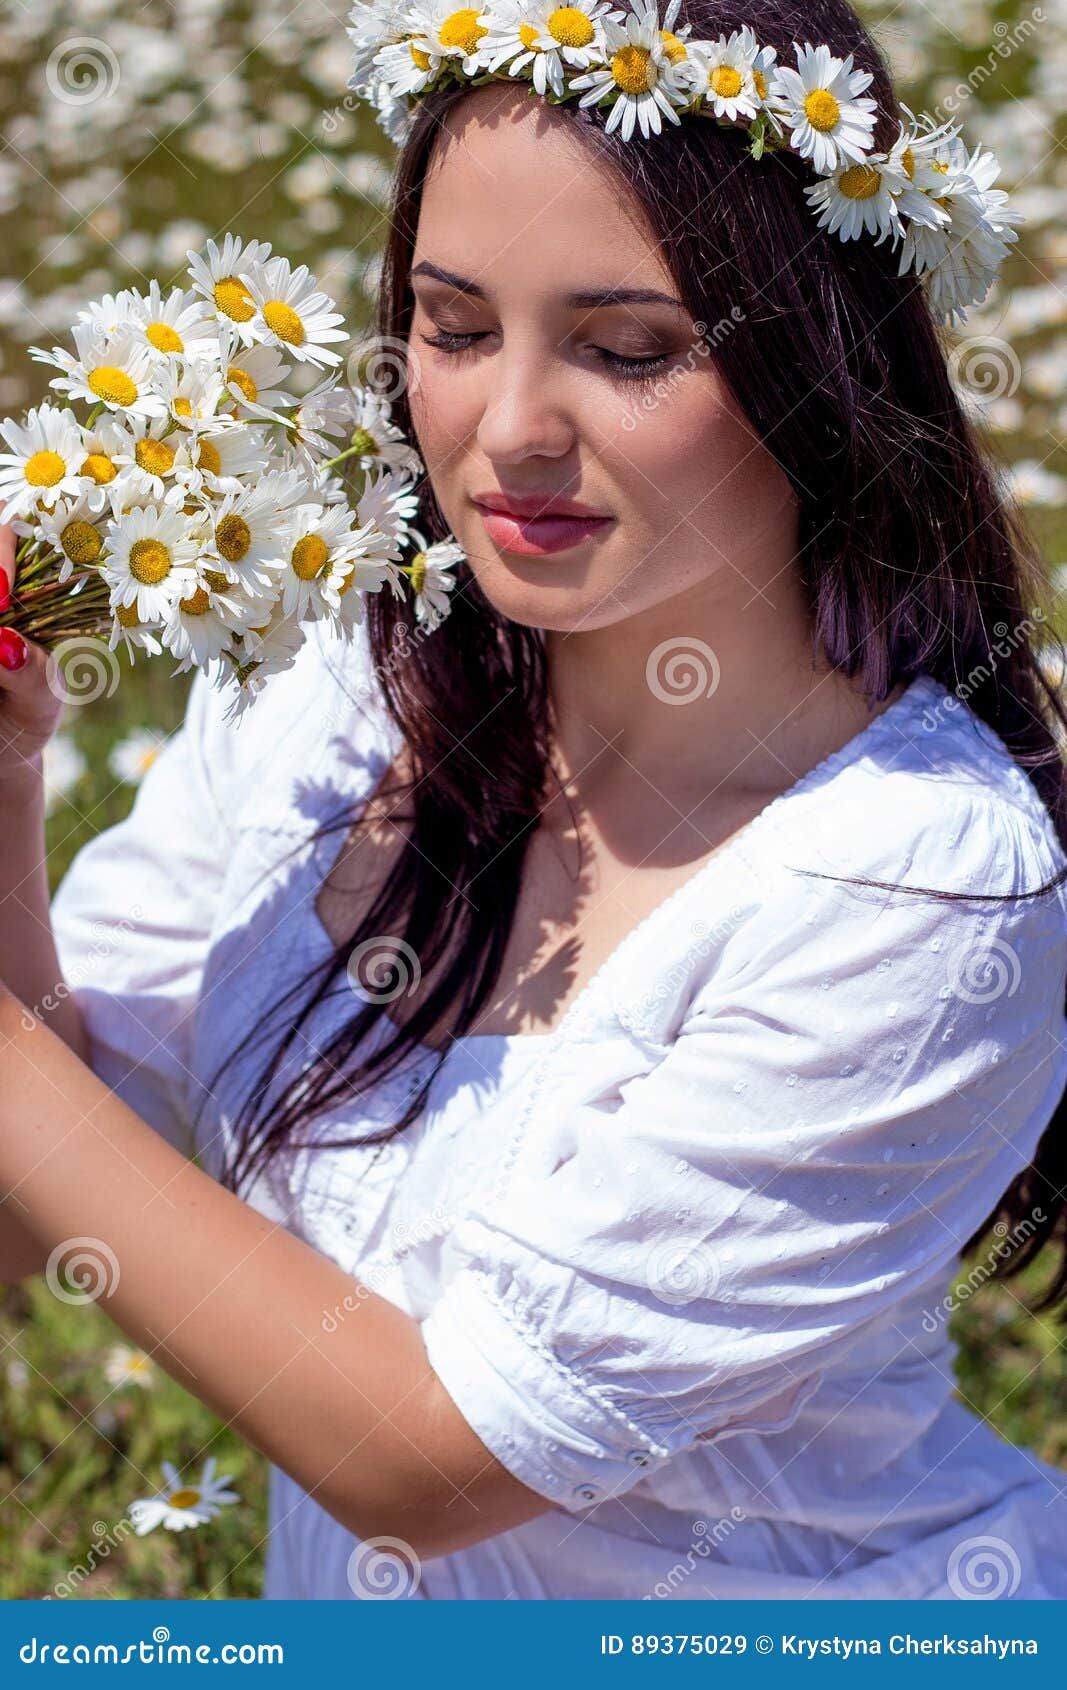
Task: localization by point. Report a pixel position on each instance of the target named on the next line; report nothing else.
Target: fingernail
(13, 649)
(5, 596)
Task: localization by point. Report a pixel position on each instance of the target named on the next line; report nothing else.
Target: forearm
(28, 961)
(232, 1305)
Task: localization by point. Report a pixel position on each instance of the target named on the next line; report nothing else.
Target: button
(638, 1458)
(586, 1493)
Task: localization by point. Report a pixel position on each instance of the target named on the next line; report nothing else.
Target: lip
(535, 526)
(527, 505)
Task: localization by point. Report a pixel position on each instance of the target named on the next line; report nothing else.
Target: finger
(31, 701)
(7, 563)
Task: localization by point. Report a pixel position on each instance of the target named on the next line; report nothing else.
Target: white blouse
(682, 1263)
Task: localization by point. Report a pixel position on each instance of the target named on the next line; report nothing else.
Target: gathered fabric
(683, 1262)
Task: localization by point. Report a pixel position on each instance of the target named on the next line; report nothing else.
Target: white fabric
(681, 1262)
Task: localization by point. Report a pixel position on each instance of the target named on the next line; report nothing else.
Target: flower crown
(926, 193)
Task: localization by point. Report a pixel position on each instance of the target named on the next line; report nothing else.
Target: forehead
(514, 198)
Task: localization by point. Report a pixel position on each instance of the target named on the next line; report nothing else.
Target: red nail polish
(13, 649)
(5, 596)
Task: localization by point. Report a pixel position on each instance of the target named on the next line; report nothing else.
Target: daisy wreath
(926, 194)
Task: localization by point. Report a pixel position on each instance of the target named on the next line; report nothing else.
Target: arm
(232, 1307)
(29, 715)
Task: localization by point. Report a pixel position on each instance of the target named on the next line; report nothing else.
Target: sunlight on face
(535, 390)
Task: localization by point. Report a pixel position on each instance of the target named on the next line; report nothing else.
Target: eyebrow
(587, 299)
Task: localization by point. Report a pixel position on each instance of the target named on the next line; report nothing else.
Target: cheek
(442, 418)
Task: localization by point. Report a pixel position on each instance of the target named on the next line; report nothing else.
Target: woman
(588, 1125)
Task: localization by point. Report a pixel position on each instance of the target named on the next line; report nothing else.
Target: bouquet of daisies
(200, 506)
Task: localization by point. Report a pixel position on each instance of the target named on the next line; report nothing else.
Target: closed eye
(627, 368)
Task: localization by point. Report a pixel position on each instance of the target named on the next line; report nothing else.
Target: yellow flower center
(364, 443)
(309, 555)
(421, 59)
(182, 408)
(673, 46)
(233, 299)
(197, 603)
(99, 468)
(149, 562)
(208, 458)
(462, 29)
(283, 321)
(138, 1364)
(570, 27)
(155, 456)
(725, 81)
(81, 542)
(127, 616)
(241, 379)
(761, 83)
(44, 469)
(630, 67)
(939, 165)
(907, 159)
(418, 572)
(528, 37)
(216, 580)
(821, 109)
(233, 537)
(184, 1499)
(114, 386)
(859, 182)
(164, 338)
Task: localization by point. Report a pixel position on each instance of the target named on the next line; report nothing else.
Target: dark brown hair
(911, 559)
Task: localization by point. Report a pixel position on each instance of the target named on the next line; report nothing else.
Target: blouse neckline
(918, 690)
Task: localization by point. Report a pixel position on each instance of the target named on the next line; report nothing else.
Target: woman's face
(553, 364)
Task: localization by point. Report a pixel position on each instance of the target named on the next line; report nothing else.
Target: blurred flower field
(132, 130)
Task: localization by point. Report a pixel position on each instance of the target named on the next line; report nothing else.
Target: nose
(526, 413)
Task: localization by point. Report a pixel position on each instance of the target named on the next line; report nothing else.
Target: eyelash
(627, 369)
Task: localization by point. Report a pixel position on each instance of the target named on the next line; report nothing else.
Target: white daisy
(217, 273)
(728, 75)
(219, 458)
(180, 1506)
(857, 199)
(176, 325)
(446, 32)
(128, 629)
(252, 378)
(98, 467)
(248, 534)
(319, 540)
(643, 80)
(431, 582)
(150, 559)
(542, 40)
(203, 622)
(62, 767)
(403, 67)
(959, 259)
(822, 102)
(111, 370)
(371, 27)
(390, 502)
(260, 653)
(147, 453)
(44, 463)
(191, 393)
(291, 312)
(76, 532)
(108, 314)
(123, 1366)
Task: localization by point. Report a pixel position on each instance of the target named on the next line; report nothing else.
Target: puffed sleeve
(843, 1105)
(132, 919)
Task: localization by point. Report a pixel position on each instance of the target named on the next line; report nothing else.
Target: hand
(29, 708)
